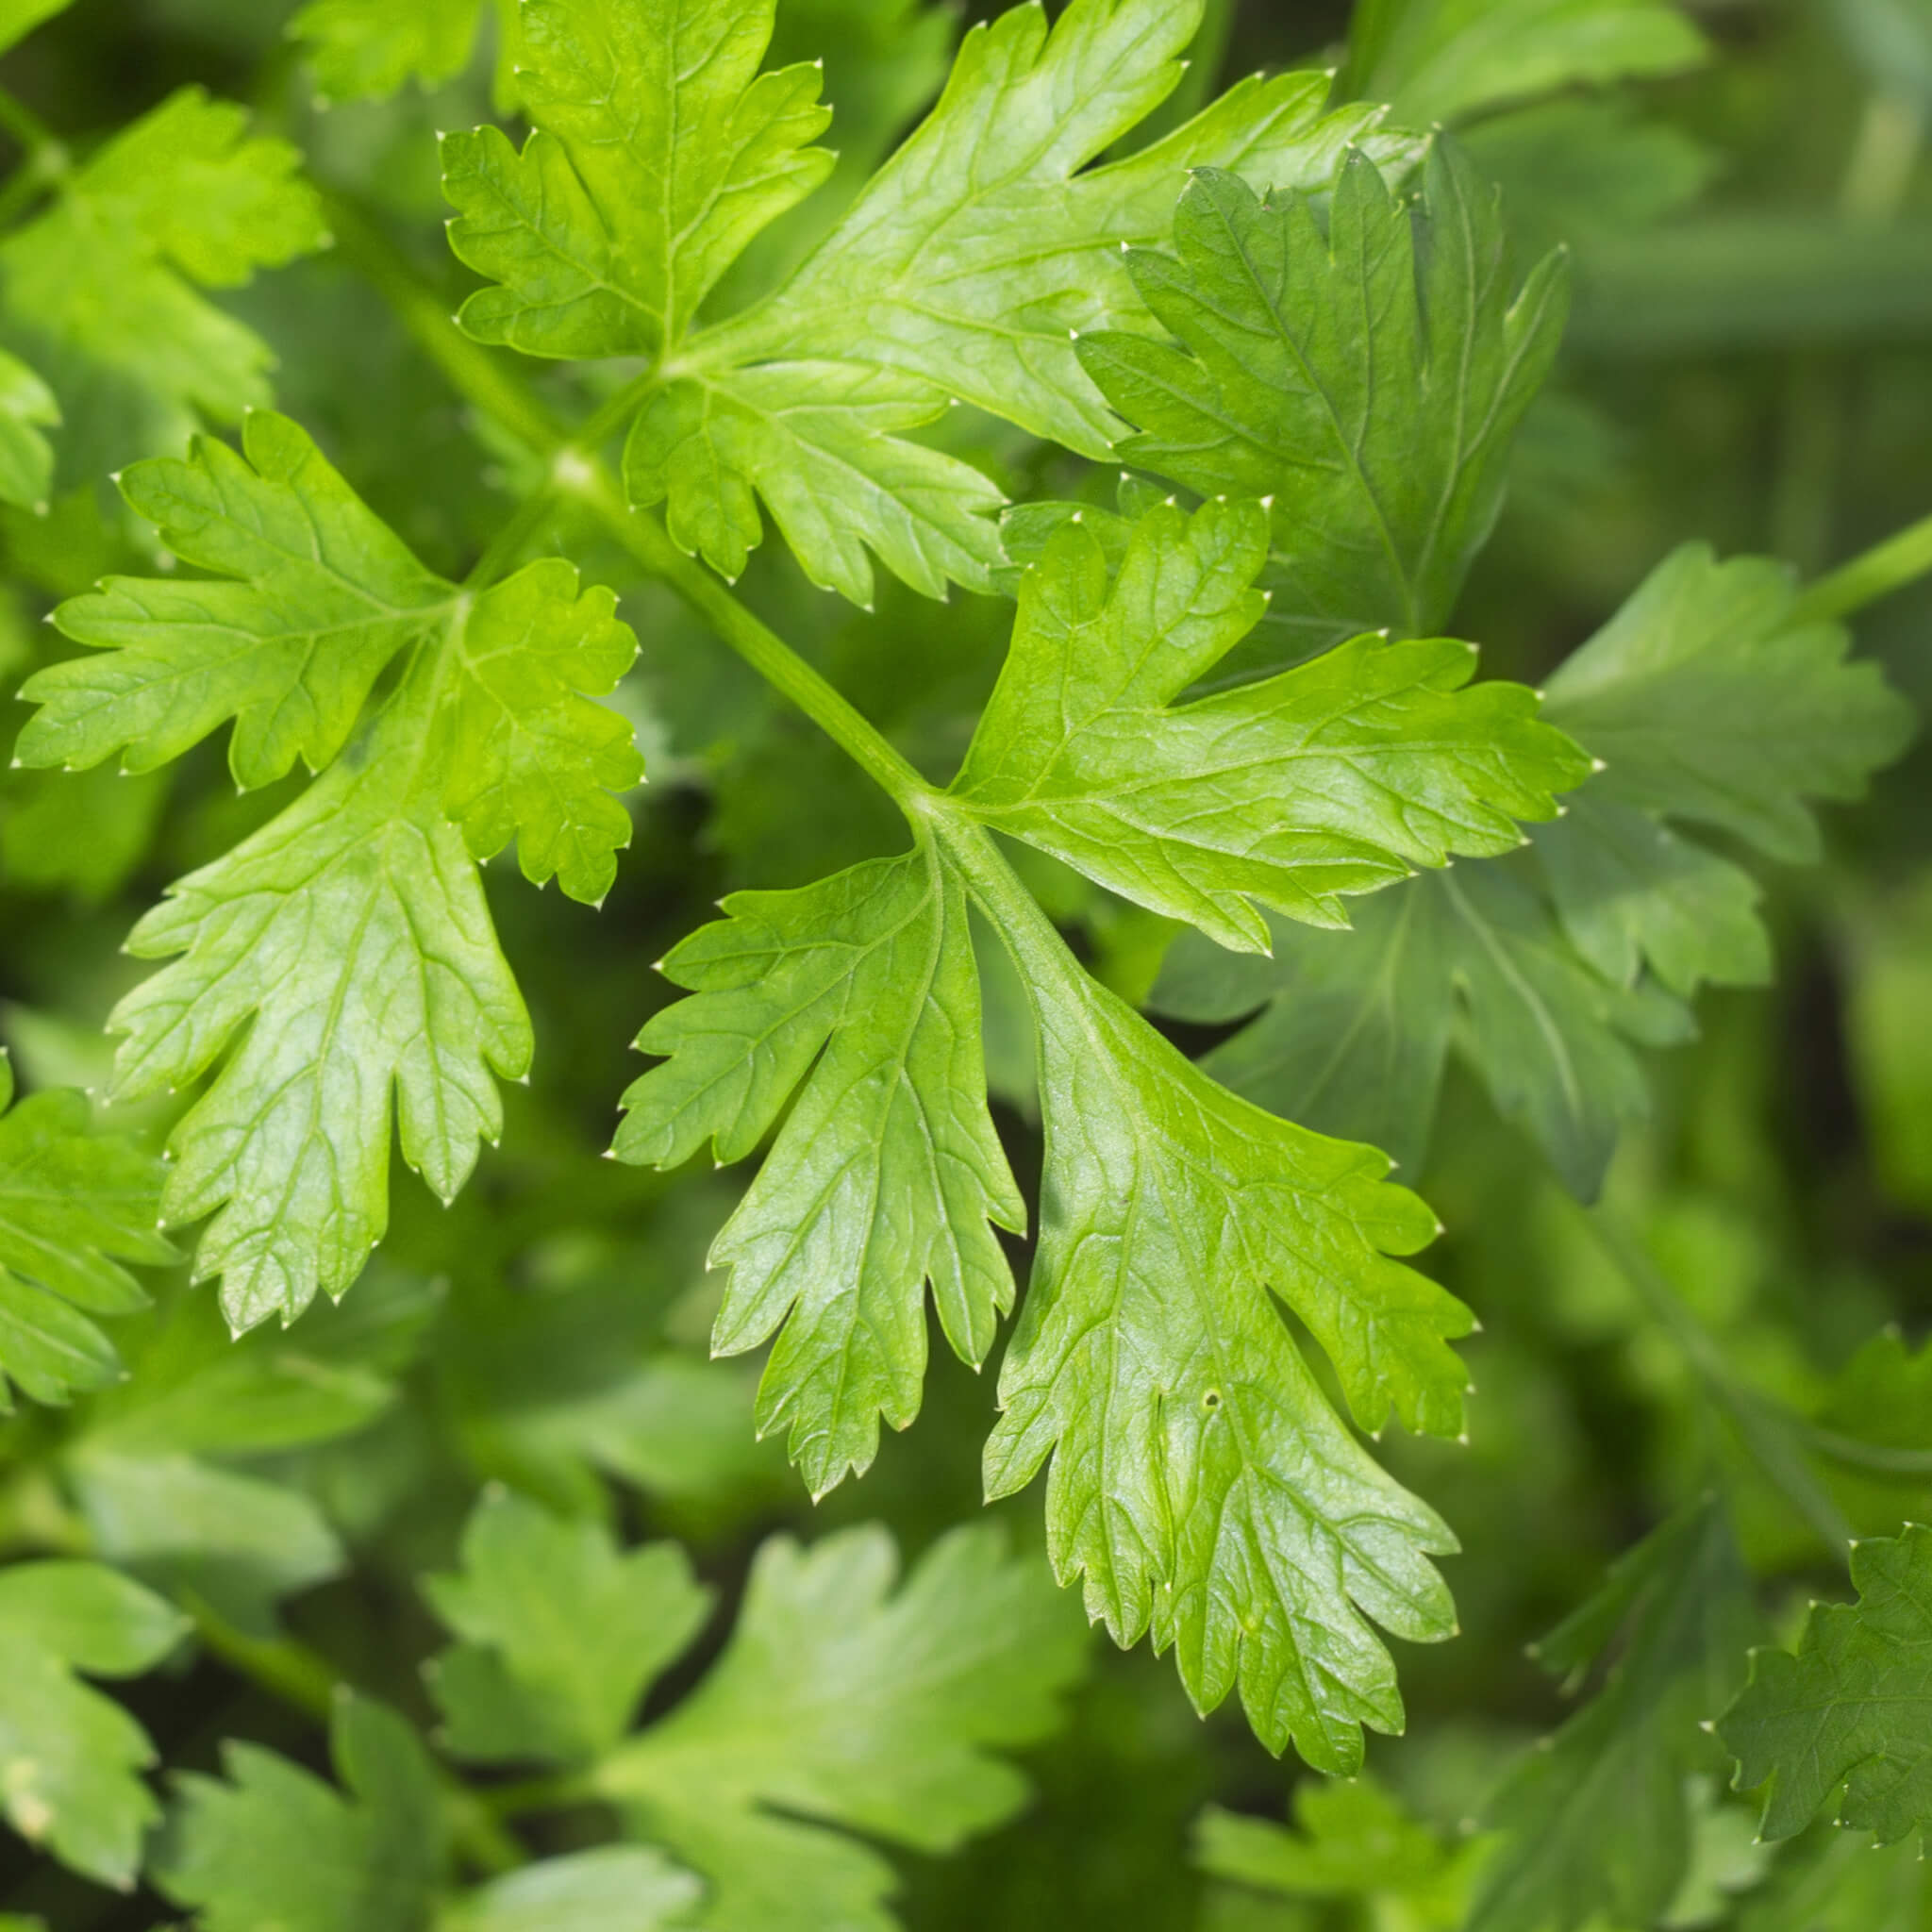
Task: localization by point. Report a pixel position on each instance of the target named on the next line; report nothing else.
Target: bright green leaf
(927, 289)
(1853, 1707)
(1201, 1482)
(860, 990)
(276, 1846)
(1335, 777)
(1383, 449)
(325, 597)
(70, 1757)
(350, 938)
(661, 150)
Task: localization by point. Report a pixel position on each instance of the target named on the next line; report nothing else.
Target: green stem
(1887, 567)
(284, 1669)
(1770, 1434)
(761, 647)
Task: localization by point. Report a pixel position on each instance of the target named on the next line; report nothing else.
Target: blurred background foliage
(1750, 362)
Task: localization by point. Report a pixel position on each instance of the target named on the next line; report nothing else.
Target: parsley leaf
(1707, 702)
(1354, 1028)
(69, 1757)
(352, 926)
(1334, 777)
(1351, 1840)
(75, 1206)
(1597, 1820)
(274, 1846)
(928, 289)
(1853, 1707)
(1437, 60)
(838, 1701)
(366, 49)
(350, 938)
(1200, 1479)
(660, 151)
(1382, 448)
(98, 294)
(561, 1634)
(1711, 701)
(612, 1888)
(325, 597)
(886, 1173)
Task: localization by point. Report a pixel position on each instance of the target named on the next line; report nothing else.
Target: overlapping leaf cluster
(1229, 708)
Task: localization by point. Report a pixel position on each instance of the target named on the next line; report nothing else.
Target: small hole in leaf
(1212, 1399)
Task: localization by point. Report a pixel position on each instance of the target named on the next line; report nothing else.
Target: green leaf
(1382, 448)
(352, 927)
(561, 1634)
(1441, 60)
(19, 18)
(1596, 1819)
(324, 598)
(860, 993)
(1883, 1395)
(1835, 1883)
(27, 406)
(1853, 1707)
(1587, 172)
(75, 1206)
(1354, 1028)
(884, 62)
(1349, 1842)
(660, 151)
(1704, 702)
(79, 833)
(366, 49)
(1201, 1481)
(1631, 894)
(1332, 778)
(235, 1542)
(1710, 700)
(929, 288)
(274, 1846)
(98, 291)
(70, 1757)
(349, 937)
(841, 1702)
(612, 1888)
